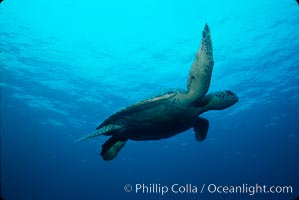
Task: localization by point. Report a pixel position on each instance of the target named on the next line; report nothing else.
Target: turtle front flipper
(111, 147)
(106, 130)
(201, 71)
(201, 127)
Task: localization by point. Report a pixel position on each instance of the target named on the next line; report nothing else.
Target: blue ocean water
(68, 65)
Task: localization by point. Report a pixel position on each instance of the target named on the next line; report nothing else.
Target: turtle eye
(230, 93)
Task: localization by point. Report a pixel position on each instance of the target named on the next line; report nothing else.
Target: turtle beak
(234, 98)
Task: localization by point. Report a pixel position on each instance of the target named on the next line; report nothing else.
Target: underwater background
(68, 65)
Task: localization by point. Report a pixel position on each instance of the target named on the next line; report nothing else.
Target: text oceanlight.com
(155, 188)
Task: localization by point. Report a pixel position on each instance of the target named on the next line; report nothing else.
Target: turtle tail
(106, 130)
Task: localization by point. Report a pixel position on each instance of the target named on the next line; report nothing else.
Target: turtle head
(222, 99)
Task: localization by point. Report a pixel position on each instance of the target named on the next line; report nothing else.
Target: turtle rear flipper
(201, 127)
(111, 147)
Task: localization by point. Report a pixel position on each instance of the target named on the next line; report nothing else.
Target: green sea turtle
(168, 114)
